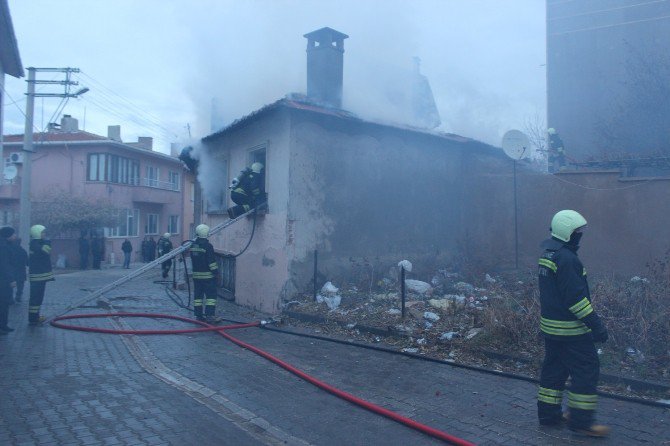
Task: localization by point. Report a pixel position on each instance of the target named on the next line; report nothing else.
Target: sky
(154, 66)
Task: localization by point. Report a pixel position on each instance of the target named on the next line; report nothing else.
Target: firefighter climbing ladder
(138, 272)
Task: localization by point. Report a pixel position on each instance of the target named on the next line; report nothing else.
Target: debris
(456, 298)
(427, 325)
(489, 279)
(329, 288)
(406, 265)
(472, 333)
(636, 279)
(292, 303)
(394, 311)
(442, 304)
(464, 287)
(431, 316)
(448, 336)
(329, 296)
(417, 286)
(351, 326)
(636, 354)
(421, 341)
(410, 350)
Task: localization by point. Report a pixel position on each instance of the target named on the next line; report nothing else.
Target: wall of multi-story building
(147, 188)
(608, 72)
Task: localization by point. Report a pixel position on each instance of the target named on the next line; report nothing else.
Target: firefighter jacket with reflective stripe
(203, 259)
(251, 184)
(565, 301)
(164, 246)
(39, 261)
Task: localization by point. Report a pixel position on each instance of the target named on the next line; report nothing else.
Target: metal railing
(157, 184)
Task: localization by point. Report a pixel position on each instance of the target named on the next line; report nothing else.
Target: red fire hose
(221, 330)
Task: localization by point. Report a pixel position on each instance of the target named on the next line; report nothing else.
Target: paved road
(62, 387)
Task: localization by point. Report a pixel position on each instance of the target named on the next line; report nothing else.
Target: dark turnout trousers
(36, 298)
(579, 361)
(204, 296)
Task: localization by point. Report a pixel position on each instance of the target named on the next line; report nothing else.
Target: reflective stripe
(582, 308)
(197, 302)
(210, 302)
(41, 277)
(194, 249)
(582, 401)
(46, 248)
(202, 276)
(549, 396)
(35, 309)
(213, 265)
(563, 328)
(548, 263)
(584, 272)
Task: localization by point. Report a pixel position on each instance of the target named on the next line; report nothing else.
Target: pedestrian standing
(145, 249)
(570, 326)
(204, 281)
(39, 272)
(19, 260)
(127, 248)
(151, 249)
(84, 248)
(6, 278)
(96, 250)
(165, 246)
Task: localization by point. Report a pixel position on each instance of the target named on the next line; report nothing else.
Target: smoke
(212, 172)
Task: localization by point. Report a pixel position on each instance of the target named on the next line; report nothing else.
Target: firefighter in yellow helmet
(164, 246)
(205, 270)
(247, 190)
(570, 326)
(39, 272)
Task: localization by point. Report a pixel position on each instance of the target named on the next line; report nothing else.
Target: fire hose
(204, 327)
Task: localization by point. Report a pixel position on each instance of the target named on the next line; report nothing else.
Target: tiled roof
(58, 137)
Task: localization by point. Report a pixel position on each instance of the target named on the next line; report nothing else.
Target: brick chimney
(325, 62)
(145, 142)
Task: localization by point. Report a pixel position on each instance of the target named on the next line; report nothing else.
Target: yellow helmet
(256, 167)
(166, 235)
(565, 223)
(36, 231)
(202, 231)
(551, 131)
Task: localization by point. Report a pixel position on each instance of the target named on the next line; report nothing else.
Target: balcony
(156, 184)
(154, 191)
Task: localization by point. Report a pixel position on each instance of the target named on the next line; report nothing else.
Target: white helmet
(202, 231)
(36, 231)
(166, 235)
(256, 167)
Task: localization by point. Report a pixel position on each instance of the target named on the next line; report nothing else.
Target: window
(173, 179)
(217, 200)
(113, 169)
(173, 224)
(192, 192)
(127, 224)
(151, 178)
(152, 224)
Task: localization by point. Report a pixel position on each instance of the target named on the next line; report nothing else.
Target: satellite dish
(10, 172)
(516, 145)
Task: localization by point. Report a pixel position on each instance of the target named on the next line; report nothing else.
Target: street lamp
(26, 171)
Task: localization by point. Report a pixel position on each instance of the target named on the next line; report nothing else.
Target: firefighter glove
(600, 335)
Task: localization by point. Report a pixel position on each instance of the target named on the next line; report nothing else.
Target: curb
(634, 384)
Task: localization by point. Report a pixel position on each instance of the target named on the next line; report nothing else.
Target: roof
(301, 102)
(81, 138)
(319, 34)
(9, 49)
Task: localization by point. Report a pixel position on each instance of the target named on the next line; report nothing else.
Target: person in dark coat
(165, 246)
(570, 325)
(39, 272)
(7, 281)
(127, 248)
(97, 250)
(84, 248)
(145, 249)
(19, 260)
(151, 249)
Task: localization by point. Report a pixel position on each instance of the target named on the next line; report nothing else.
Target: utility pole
(28, 150)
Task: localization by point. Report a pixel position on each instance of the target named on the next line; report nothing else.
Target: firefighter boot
(596, 430)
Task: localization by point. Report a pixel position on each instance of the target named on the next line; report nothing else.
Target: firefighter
(165, 246)
(205, 270)
(570, 326)
(556, 151)
(247, 190)
(39, 272)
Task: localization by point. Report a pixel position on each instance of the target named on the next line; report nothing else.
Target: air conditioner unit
(16, 157)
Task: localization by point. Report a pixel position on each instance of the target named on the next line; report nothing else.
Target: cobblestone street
(63, 387)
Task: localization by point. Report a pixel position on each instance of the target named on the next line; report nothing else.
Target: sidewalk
(62, 387)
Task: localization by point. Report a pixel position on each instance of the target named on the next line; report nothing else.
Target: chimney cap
(325, 32)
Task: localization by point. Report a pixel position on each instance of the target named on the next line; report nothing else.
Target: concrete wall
(262, 271)
(361, 191)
